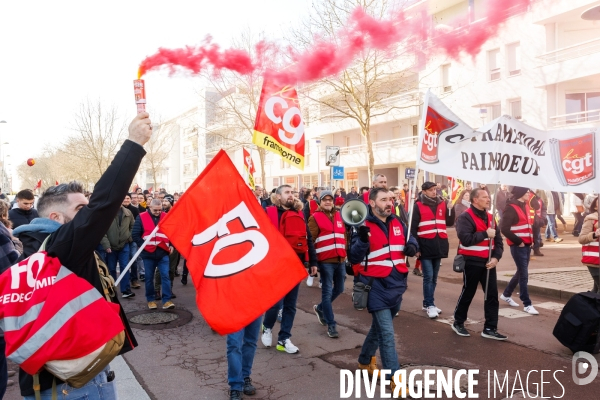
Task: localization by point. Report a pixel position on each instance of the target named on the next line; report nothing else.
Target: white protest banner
(507, 150)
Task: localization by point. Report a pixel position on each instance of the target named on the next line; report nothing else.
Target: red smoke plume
(363, 32)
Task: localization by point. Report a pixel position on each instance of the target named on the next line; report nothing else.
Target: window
(579, 103)
(513, 56)
(446, 86)
(494, 64)
(494, 111)
(347, 141)
(515, 108)
(415, 130)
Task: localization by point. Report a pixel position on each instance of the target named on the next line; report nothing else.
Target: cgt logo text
(433, 384)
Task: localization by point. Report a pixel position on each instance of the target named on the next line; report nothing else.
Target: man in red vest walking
(155, 254)
(517, 228)
(329, 235)
(377, 253)
(475, 228)
(430, 217)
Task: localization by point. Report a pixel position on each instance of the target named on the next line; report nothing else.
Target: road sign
(337, 173)
(332, 156)
(409, 173)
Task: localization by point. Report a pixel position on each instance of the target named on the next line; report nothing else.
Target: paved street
(189, 362)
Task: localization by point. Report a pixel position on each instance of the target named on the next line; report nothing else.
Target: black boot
(249, 389)
(184, 279)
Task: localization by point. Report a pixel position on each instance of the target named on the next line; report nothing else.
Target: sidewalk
(561, 283)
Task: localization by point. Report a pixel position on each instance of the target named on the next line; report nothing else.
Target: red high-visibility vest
(331, 242)
(366, 197)
(385, 252)
(590, 252)
(432, 225)
(522, 229)
(313, 206)
(480, 249)
(49, 314)
(159, 239)
(529, 209)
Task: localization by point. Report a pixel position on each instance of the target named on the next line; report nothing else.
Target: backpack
(293, 228)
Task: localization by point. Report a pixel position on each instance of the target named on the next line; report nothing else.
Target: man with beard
(377, 253)
(430, 217)
(287, 208)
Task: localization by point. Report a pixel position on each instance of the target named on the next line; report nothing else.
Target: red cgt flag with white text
(240, 264)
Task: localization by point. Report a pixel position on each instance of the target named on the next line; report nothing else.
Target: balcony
(576, 119)
(573, 62)
(190, 155)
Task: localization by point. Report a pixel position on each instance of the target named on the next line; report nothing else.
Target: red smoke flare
(363, 32)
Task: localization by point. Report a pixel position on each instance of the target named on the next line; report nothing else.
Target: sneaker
(267, 337)
(11, 373)
(549, 240)
(332, 332)
(152, 305)
(460, 330)
(492, 334)
(558, 240)
(425, 309)
(287, 346)
(168, 305)
(310, 280)
(417, 272)
(431, 312)
(280, 315)
(184, 279)
(509, 300)
(249, 388)
(537, 253)
(127, 294)
(235, 395)
(142, 277)
(135, 285)
(531, 310)
(320, 315)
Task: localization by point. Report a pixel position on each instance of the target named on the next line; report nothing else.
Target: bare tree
(365, 89)
(158, 149)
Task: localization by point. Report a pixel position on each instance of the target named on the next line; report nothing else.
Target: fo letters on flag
(239, 262)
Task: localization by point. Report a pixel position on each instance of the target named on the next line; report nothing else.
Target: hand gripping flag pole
(136, 255)
(487, 280)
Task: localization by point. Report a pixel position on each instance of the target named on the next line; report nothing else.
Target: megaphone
(354, 212)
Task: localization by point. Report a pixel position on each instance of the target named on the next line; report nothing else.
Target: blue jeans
(96, 389)
(430, 269)
(287, 317)
(122, 256)
(101, 252)
(551, 227)
(3, 368)
(150, 266)
(381, 335)
(241, 347)
(333, 277)
(133, 248)
(521, 256)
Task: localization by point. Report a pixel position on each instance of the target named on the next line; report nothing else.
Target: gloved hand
(410, 249)
(363, 233)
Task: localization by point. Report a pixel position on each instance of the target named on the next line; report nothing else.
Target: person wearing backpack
(329, 234)
(286, 214)
(75, 226)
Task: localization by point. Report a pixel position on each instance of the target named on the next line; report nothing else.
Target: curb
(544, 288)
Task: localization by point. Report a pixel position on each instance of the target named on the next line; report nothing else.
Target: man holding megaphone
(377, 253)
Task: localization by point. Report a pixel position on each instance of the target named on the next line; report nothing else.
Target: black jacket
(74, 242)
(510, 218)
(134, 210)
(436, 247)
(20, 217)
(468, 236)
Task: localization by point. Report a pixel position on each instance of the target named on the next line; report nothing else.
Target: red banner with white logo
(507, 151)
(240, 264)
(249, 167)
(279, 126)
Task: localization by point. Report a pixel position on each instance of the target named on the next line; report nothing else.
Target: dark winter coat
(20, 217)
(468, 236)
(436, 247)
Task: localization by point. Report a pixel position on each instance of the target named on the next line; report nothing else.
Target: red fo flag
(39, 185)
(279, 127)
(240, 264)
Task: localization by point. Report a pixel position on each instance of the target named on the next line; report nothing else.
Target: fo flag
(279, 127)
(249, 168)
(240, 264)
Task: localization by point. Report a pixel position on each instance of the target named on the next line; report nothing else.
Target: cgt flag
(249, 168)
(234, 253)
(279, 127)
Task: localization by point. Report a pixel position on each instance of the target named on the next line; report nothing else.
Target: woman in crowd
(463, 203)
(588, 238)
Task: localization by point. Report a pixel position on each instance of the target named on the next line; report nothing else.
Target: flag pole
(150, 236)
(487, 279)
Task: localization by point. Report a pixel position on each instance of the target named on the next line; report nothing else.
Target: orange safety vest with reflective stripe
(480, 249)
(331, 242)
(522, 229)
(432, 225)
(590, 253)
(159, 239)
(48, 314)
(385, 253)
